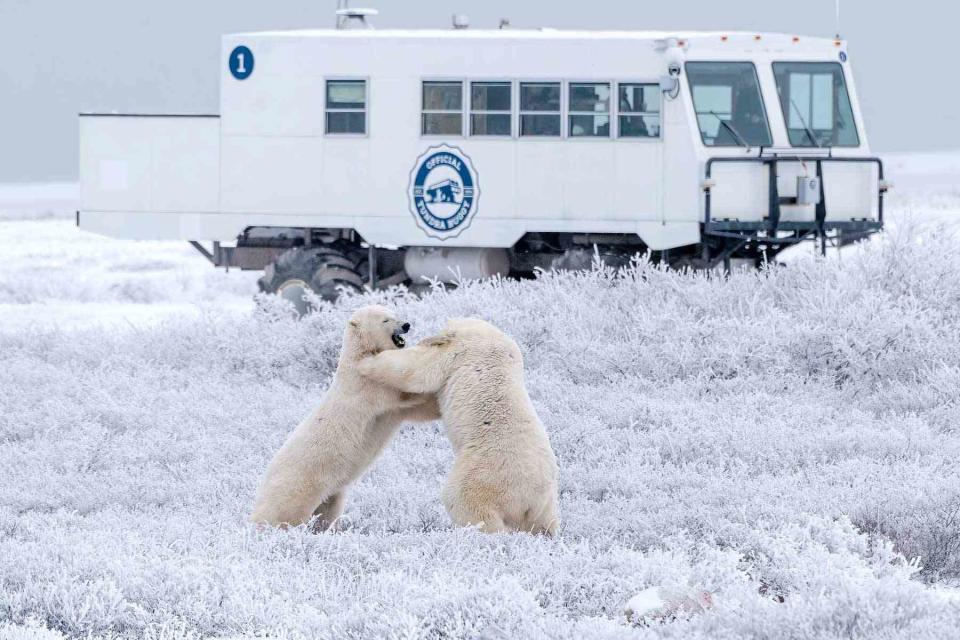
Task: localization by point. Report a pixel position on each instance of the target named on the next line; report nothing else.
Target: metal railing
(772, 224)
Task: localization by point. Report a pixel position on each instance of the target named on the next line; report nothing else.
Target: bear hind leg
(488, 520)
(327, 515)
(465, 514)
(546, 523)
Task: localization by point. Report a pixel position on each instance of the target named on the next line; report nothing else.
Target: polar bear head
(373, 329)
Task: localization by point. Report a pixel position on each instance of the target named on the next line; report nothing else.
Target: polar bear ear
(355, 324)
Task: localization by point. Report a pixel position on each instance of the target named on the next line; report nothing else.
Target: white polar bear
(504, 477)
(309, 475)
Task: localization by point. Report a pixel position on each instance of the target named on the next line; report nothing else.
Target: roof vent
(348, 18)
(461, 21)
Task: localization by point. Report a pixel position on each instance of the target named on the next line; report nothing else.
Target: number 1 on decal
(241, 68)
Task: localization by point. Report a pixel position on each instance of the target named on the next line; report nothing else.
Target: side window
(589, 110)
(540, 109)
(639, 106)
(490, 109)
(442, 109)
(346, 108)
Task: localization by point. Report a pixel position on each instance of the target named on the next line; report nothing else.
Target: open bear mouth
(398, 340)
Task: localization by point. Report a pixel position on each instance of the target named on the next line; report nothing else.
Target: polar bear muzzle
(397, 335)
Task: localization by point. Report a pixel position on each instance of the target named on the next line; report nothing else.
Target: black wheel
(323, 270)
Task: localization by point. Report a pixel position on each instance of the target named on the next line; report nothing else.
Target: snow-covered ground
(788, 441)
(54, 275)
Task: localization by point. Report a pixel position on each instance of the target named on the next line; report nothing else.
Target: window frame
(562, 113)
(786, 115)
(569, 113)
(328, 110)
(763, 104)
(464, 111)
(659, 114)
(514, 106)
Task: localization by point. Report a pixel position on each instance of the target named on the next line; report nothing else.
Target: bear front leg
(419, 369)
(283, 511)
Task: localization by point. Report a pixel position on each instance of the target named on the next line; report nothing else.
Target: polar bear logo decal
(446, 191)
(443, 192)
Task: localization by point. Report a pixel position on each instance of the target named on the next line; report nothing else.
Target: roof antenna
(837, 3)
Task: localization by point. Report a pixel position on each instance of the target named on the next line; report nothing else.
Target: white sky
(59, 57)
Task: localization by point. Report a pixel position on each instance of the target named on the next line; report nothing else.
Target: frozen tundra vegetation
(788, 440)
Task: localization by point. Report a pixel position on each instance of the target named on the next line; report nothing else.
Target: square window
(540, 109)
(639, 106)
(491, 109)
(346, 107)
(442, 109)
(589, 110)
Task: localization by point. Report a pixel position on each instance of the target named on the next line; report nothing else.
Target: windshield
(726, 97)
(815, 103)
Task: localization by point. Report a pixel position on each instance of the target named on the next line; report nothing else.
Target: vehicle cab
(781, 143)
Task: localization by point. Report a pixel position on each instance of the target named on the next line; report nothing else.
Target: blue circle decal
(241, 62)
(444, 192)
(843, 56)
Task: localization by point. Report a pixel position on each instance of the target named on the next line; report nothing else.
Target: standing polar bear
(504, 475)
(310, 474)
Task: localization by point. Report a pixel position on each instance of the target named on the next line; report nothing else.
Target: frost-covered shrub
(787, 439)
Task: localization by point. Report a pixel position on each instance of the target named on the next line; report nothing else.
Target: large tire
(323, 270)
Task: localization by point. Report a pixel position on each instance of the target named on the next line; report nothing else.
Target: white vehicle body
(269, 161)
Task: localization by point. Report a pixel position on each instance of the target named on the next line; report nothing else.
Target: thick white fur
(310, 473)
(504, 477)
